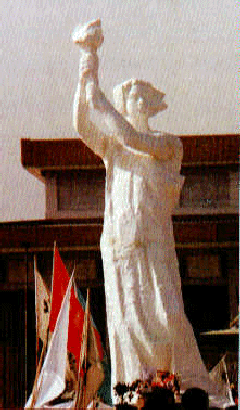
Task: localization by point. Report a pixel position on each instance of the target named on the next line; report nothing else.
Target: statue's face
(136, 102)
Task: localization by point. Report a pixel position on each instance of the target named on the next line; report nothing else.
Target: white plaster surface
(147, 326)
(187, 49)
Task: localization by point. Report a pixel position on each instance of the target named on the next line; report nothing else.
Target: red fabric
(76, 315)
(76, 320)
(59, 288)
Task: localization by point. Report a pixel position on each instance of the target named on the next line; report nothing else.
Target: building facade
(206, 236)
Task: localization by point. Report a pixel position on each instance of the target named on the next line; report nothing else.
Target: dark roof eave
(39, 156)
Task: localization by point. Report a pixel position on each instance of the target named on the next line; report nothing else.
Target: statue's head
(152, 98)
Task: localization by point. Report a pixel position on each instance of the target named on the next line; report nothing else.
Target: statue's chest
(131, 164)
(128, 180)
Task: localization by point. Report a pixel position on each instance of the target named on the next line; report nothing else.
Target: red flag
(59, 288)
(75, 327)
(76, 315)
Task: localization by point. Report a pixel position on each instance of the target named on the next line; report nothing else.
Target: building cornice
(40, 156)
(192, 231)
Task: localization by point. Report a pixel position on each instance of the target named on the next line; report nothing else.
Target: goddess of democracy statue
(147, 326)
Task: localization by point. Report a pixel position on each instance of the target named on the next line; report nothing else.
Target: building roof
(39, 156)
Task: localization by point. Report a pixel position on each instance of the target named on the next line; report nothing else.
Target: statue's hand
(89, 36)
(88, 67)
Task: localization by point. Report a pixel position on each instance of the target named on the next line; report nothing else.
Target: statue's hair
(153, 96)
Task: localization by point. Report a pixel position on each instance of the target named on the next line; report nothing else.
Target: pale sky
(185, 48)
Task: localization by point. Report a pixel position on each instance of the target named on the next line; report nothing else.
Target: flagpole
(83, 356)
(37, 330)
(227, 380)
(26, 329)
(86, 350)
(44, 348)
(26, 246)
(54, 252)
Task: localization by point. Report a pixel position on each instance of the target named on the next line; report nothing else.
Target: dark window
(3, 268)
(206, 190)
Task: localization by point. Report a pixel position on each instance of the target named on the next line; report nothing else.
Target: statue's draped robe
(147, 326)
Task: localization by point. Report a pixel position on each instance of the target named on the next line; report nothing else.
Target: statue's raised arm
(135, 101)
(89, 37)
(89, 99)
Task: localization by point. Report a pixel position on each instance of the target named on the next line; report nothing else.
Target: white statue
(147, 326)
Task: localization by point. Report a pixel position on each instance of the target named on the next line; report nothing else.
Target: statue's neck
(140, 123)
(88, 49)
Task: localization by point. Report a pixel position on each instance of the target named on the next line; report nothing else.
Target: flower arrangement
(140, 389)
(166, 380)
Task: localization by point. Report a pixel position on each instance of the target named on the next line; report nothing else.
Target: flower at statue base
(121, 389)
(140, 389)
(164, 380)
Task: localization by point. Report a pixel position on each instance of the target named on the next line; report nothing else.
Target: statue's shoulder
(174, 138)
(162, 134)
